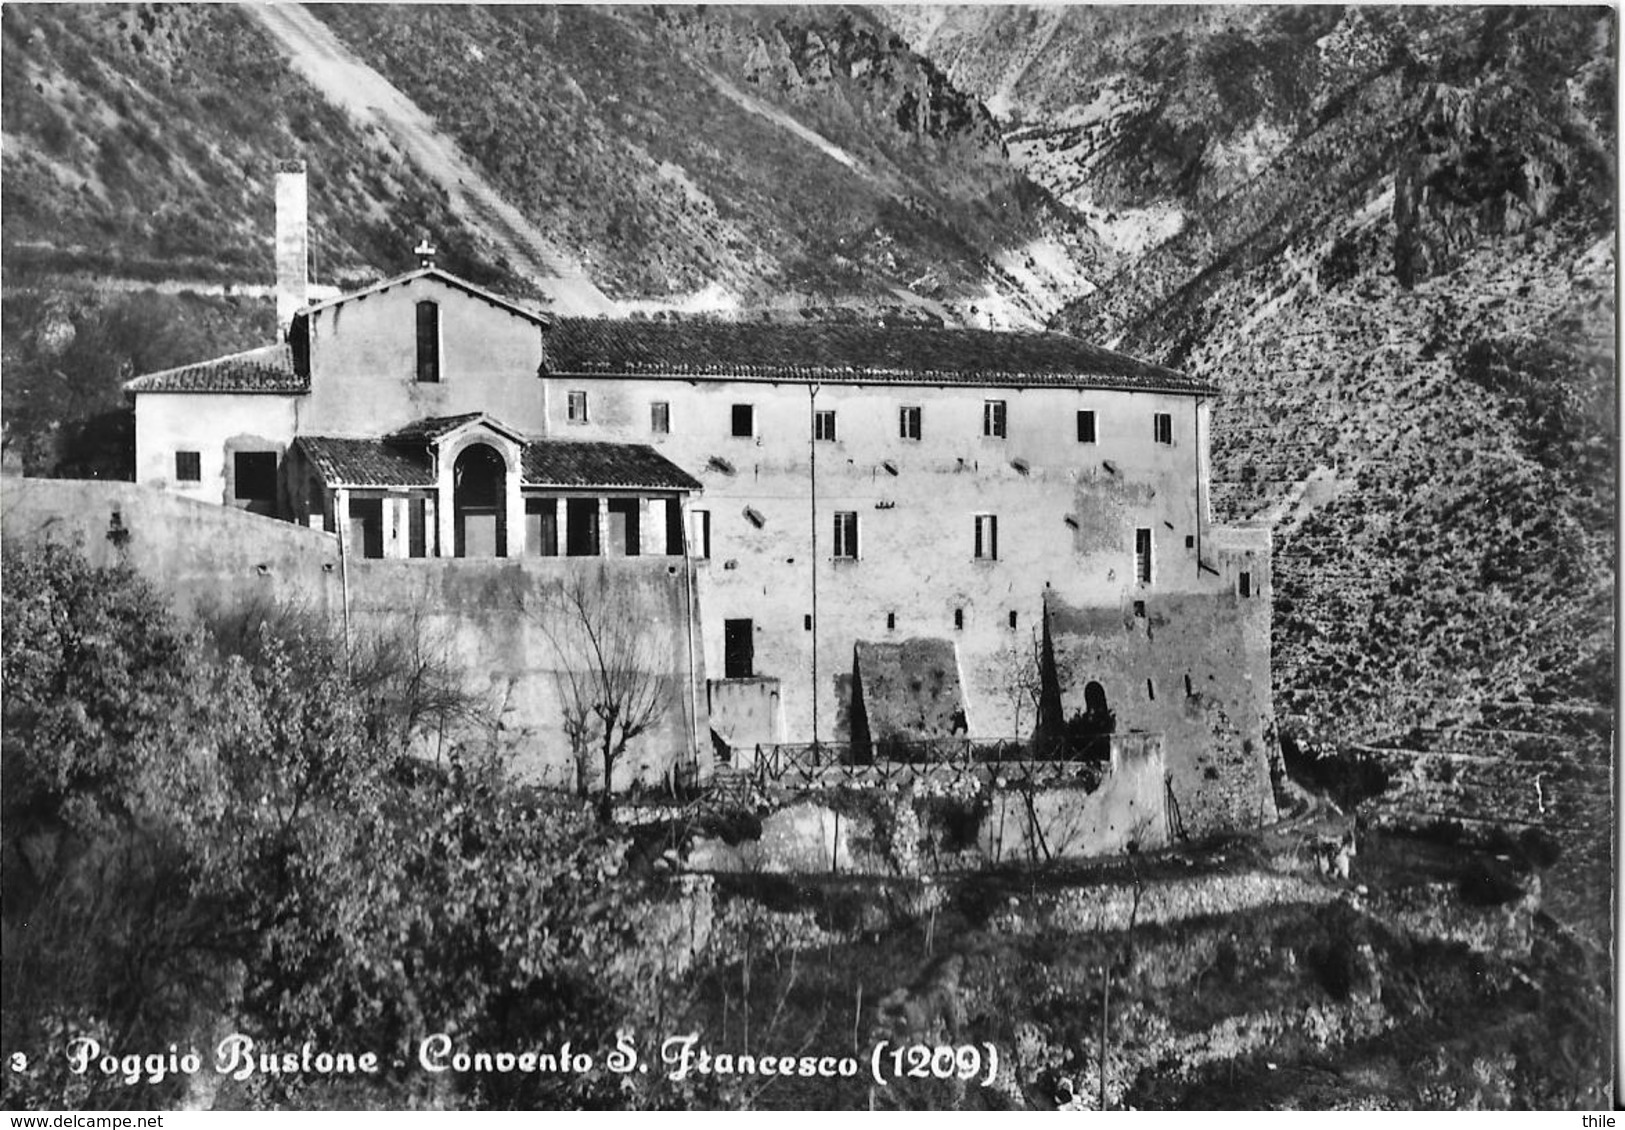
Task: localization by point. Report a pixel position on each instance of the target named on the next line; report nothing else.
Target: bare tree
(609, 678)
(1030, 673)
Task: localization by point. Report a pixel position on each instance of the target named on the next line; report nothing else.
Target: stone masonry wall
(487, 617)
(1196, 670)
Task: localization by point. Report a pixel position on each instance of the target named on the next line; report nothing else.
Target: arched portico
(479, 502)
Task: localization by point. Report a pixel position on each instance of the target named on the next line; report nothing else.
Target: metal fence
(899, 761)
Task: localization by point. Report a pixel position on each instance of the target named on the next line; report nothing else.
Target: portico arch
(479, 502)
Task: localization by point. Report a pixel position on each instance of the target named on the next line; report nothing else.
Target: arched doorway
(478, 478)
(1094, 727)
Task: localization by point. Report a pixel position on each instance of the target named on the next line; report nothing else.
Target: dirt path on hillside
(784, 121)
(318, 54)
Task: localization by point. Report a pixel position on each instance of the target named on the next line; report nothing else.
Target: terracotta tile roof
(431, 428)
(582, 463)
(547, 463)
(267, 369)
(367, 462)
(846, 352)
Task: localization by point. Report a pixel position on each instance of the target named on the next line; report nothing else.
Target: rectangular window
(254, 477)
(577, 413)
(428, 342)
(744, 420)
(908, 422)
(993, 418)
(1244, 584)
(702, 534)
(660, 418)
(987, 537)
(1162, 427)
(1142, 556)
(738, 650)
(959, 619)
(846, 534)
(1086, 425)
(188, 467)
(824, 426)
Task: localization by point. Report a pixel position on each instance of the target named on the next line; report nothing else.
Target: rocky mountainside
(140, 142)
(728, 156)
(1387, 235)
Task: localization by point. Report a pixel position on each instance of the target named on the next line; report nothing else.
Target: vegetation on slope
(216, 829)
(1414, 299)
(68, 349)
(213, 829)
(670, 148)
(141, 142)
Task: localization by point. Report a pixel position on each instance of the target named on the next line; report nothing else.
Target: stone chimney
(292, 256)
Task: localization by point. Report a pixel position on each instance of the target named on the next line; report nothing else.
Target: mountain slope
(370, 100)
(140, 142)
(767, 153)
(1417, 296)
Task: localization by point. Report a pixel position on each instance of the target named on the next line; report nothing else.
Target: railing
(899, 761)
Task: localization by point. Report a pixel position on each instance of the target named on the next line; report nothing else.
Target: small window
(1162, 427)
(987, 537)
(824, 426)
(188, 467)
(660, 418)
(428, 342)
(1244, 584)
(255, 476)
(744, 420)
(908, 422)
(891, 621)
(1086, 425)
(1142, 556)
(702, 534)
(806, 622)
(577, 413)
(1012, 619)
(959, 619)
(993, 418)
(846, 534)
